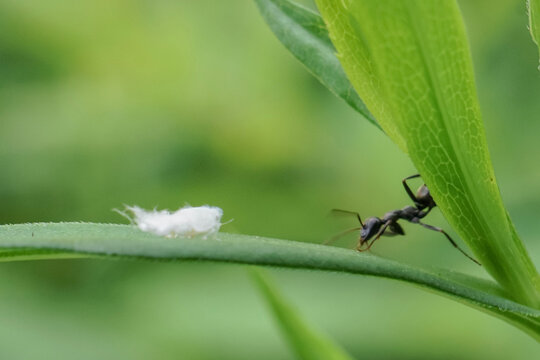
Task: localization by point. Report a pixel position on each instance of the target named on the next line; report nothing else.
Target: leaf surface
(306, 342)
(534, 21)
(304, 34)
(409, 60)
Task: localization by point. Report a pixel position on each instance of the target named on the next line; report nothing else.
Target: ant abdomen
(424, 197)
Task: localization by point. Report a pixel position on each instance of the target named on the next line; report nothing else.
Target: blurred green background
(167, 102)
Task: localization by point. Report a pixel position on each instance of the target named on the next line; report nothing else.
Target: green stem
(123, 241)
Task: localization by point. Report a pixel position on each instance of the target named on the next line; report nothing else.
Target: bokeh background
(167, 102)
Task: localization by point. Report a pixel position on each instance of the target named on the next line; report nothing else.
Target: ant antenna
(337, 236)
(350, 213)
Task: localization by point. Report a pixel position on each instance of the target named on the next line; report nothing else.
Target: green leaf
(304, 34)
(534, 21)
(409, 60)
(123, 241)
(307, 343)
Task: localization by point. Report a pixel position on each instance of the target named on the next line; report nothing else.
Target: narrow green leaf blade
(52, 240)
(307, 343)
(534, 21)
(410, 62)
(304, 34)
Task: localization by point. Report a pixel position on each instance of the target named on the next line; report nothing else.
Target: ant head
(371, 227)
(423, 198)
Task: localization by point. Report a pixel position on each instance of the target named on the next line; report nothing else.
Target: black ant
(374, 227)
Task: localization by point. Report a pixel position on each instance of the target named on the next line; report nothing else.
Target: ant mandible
(374, 227)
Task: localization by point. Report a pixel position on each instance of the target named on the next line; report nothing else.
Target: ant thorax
(393, 215)
(409, 212)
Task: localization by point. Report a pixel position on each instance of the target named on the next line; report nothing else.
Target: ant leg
(337, 236)
(434, 228)
(424, 213)
(408, 189)
(350, 212)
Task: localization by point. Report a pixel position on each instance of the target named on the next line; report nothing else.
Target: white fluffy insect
(187, 221)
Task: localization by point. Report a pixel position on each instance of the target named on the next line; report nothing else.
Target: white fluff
(187, 221)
